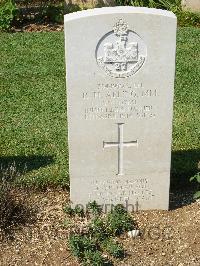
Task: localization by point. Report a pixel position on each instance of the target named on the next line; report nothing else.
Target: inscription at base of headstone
(120, 65)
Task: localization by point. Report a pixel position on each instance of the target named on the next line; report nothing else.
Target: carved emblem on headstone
(121, 52)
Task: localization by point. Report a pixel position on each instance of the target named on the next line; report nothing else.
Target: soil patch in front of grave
(167, 237)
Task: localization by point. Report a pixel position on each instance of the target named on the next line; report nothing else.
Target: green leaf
(192, 178)
(197, 177)
(196, 195)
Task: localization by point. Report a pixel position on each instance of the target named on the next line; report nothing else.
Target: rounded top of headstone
(118, 10)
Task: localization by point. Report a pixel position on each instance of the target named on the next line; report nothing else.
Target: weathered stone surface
(120, 80)
(192, 5)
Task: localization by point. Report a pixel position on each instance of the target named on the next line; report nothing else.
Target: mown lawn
(33, 107)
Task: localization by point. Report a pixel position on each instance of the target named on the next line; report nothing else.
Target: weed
(93, 258)
(88, 247)
(69, 210)
(79, 211)
(97, 229)
(94, 208)
(79, 244)
(118, 221)
(113, 248)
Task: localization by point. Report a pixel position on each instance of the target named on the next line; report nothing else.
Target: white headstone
(120, 82)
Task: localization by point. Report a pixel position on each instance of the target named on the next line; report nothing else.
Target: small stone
(134, 233)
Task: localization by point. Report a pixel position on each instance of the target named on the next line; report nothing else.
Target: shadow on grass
(184, 165)
(13, 166)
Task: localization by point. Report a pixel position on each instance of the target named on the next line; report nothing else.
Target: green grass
(33, 107)
(186, 123)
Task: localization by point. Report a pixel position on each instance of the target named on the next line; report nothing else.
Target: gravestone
(120, 64)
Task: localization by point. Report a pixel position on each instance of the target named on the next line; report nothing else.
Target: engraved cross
(120, 144)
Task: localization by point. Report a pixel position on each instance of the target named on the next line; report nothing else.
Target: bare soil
(37, 27)
(167, 237)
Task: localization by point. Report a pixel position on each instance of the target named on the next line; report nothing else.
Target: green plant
(140, 3)
(70, 7)
(93, 258)
(79, 244)
(7, 13)
(79, 211)
(75, 245)
(172, 5)
(113, 248)
(118, 221)
(68, 210)
(94, 208)
(54, 14)
(97, 229)
(197, 178)
(164, 4)
(88, 247)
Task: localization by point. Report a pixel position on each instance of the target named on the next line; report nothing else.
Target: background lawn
(33, 134)
(33, 106)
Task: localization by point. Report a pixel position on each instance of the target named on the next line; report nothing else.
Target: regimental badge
(121, 52)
